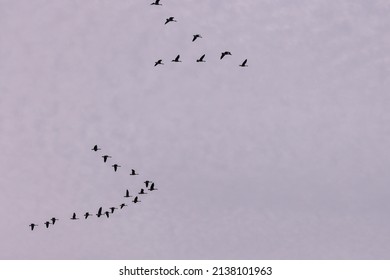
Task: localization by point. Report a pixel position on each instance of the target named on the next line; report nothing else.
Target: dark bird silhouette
(196, 36)
(107, 214)
(32, 226)
(136, 200)
(157, 3)
(127, 194)
(53, 220)
(168, 20)
(95, 148)
(201, 59)
(105, 158)
(99, 213)
(74, 217)
(152, 187)
(243, 64)
(112, 209)
(147, 183)
(86, 215)
(177, 59)
(224, 54)
(116, 167)
(158, 62)
(47, 224)
(133, 172)
(142, 191)
(122, 205)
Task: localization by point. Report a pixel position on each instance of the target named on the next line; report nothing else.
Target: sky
(284, 159)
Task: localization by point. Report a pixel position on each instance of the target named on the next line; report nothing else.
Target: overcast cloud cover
(285, 159)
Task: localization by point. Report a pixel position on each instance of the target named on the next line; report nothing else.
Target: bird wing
(222, 55)
(244, 61)
(100, 211)
(202, 57)
(127, 192)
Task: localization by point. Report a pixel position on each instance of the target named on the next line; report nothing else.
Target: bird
(136, 200)
(133, 172)
(116, 167)
(147, 183)
(201, 59)
(196, 36)
(107, 214)
(122, 205)
(53, 220)
(95, 148)
(243, 64)
(105, 157)
(177, 59)
(225, 53)
(152, 187)
(157, 3)
(158, 62)
(32, 226)
(86, 215)
(127, 194)
(112, 209)
(142, 191)
(99, 212)
(47, 224)
(170, 19)
(74, 217)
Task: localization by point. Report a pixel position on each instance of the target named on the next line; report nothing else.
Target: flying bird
(47, 224)
(158, 62)
(136, 200)
(112, 209)
(74, 217)
(243, 64)
(147, 183)
(86, 215)
(157, 3)
(32, 226)
(105, 157)
(177, 59)
(142, 191)
(53, 220)
(170, 19)
(133, 172)
(224, 54)
(116, 167)
(99, 212)
(152, 187)
(95, 148)
(196, 36)
(127, 194)
(201, 59)
(107, 214)
(122, 205)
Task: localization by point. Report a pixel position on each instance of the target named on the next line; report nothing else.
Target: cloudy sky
(285, 159)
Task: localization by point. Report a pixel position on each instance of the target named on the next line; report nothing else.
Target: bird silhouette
(105, 157)
(225, 53)
(32, 226)
(107, 214)
(157, 3)
(112, 209)
(142, 191)
(95, 148)
(122, 205)
(74, 217)
(201, 59)
(243, 64)
(177, 59)
(116, 167)
(152, 187)
(147, 183)
(133, 172)
(196, 36)
(127, 194)
(158, 62)
(47, 224)
(86, 215)
(136, 200)
(99, 213)
(170, 19)
(53, 220)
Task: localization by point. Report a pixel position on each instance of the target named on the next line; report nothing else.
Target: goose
(142, 191)
(196, 36)
(147, 183)
(168, 20)
(32, 226)
(136, 200)
(105, 157)
(127, 194)
(158, 62)
(177, 58)
(112, 209)
(201, 59)
(86, 215)
(47, 223)
(107, 214)
(99, 212)
(152, 187)
(133, 172)
(74, 217)
(53, 220)
(157, 3)
(225, 53)
(122, 205)
(95, 148)
(115, 167)
(243, 64)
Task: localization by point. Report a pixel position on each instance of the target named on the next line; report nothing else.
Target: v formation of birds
(107, 212)
(194, 38)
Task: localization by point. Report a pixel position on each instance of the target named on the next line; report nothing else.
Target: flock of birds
(149, 185)
(194, 38)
